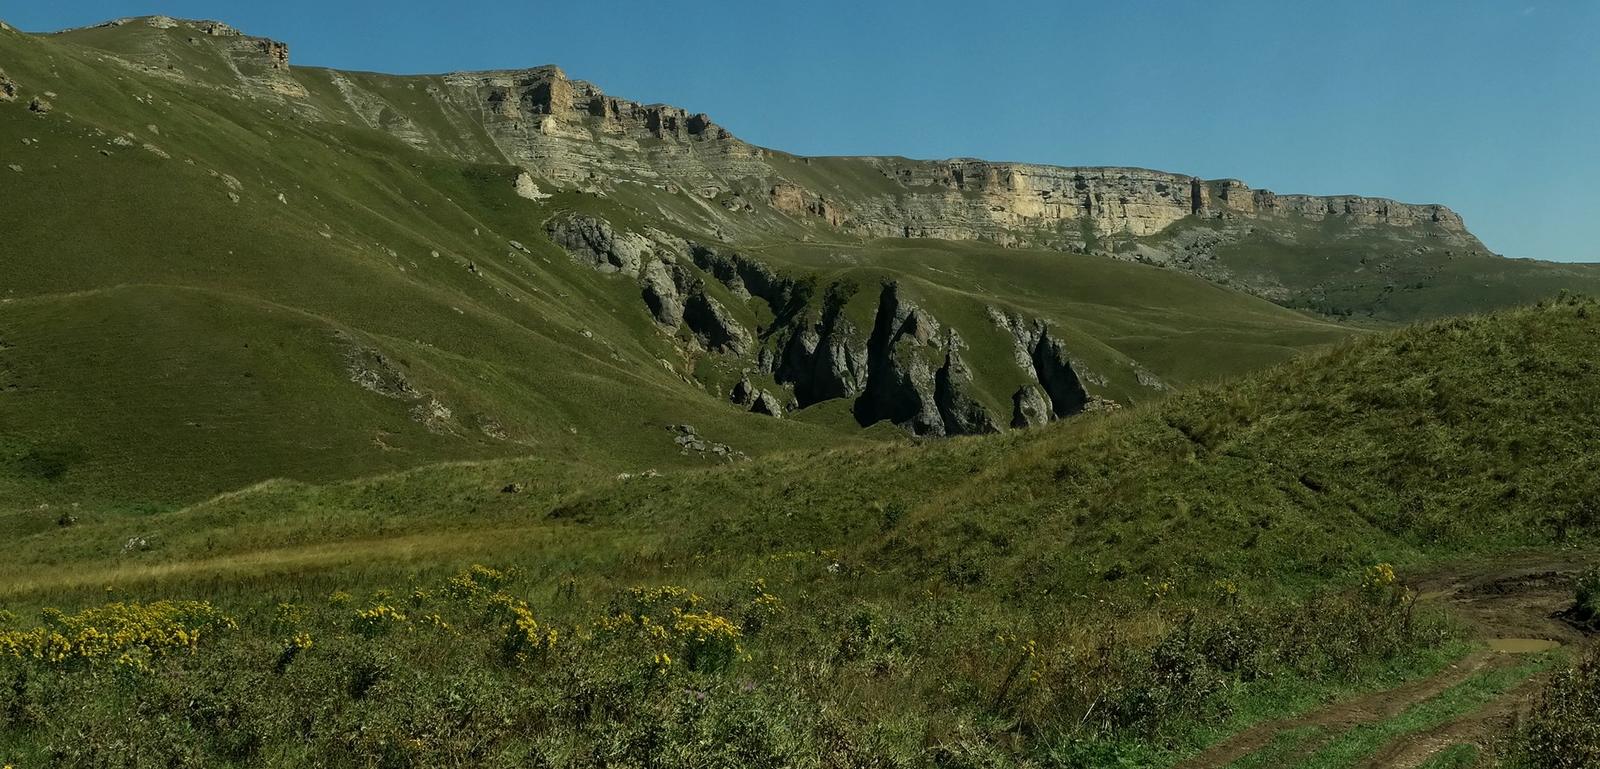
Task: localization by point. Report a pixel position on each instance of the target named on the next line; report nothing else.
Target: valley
(488, 419)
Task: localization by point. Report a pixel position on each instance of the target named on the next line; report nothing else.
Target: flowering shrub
(378, 619)
(478, 579)
(665, 621)
(710, 641)
(523, 638)
(1380, 583)
(126, 633)
(761, 609)
(292, 649)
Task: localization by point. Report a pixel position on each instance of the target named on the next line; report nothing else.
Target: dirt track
(1510, 604)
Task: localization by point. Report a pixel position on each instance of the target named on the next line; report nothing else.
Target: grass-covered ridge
(1117, 588)
(202, 280)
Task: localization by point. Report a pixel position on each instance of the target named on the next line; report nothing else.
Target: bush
(1562, 730)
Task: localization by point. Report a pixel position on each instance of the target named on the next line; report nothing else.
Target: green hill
(486, 419)
(212, 290)
(1159, 538)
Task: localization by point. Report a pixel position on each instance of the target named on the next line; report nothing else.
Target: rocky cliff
(682, 215)
(570, 134)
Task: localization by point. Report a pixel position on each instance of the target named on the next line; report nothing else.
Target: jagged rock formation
(825, 357)
(663, 285)
(909, 371)
(674, 296)
(903, 385)
(713, 326)
(1037, 350)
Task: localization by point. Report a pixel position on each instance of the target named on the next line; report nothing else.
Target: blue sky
(1490, 107)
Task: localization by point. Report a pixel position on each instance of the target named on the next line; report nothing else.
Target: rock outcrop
(526, 187)
(766, 403)
(915, 376)
(594, 243)
(713, 326)
(1029, 408)
(823, 357)
(663, 284)
(1036, 350)
(571, 134)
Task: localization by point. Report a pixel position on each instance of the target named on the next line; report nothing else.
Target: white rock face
(527, 189)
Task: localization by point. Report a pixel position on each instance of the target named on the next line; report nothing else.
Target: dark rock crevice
(825, 359)
(1057, 389)
(904, 387)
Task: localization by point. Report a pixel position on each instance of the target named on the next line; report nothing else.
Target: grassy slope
(231, 324)
(909, 575)
(172, 305)
(1453, 437)
(1335, 269)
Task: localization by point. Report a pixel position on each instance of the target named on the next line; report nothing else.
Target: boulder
(765, 403)
(743, 393)
(1029, 408)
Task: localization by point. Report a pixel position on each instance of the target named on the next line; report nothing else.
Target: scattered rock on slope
(759, 401)
(765, 403)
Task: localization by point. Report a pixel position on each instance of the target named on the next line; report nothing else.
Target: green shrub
(1561, 730)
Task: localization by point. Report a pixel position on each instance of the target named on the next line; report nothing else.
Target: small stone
(40, 106)
(511, 488)
(16, 168)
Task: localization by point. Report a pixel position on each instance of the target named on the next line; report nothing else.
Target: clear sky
(1489, 106)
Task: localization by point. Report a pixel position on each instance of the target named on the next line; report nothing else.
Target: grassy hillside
(1336, 269)
(1117, 588)
(210, 291)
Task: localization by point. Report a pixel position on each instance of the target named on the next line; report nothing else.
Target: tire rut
(1510, 604)
(1343, 716)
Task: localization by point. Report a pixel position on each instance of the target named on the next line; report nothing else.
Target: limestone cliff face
(574, 135)
(569, 134)
(1025, 204)
(261, 64)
